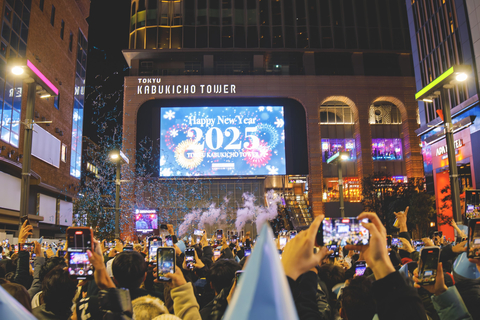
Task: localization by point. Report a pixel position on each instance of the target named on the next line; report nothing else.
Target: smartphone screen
(396, 243)
(216, 254)
(234, 239)
(428, 264)
(198, 233)
(165, 262)
(474, 238)
(28, 247)
(190, 258)
(128, 248)
(293, 233)
(169, 241)
(335, 252)
(333, 230)
(153, 244)
(61, 253)
(247, 251)
(219, 234)
(360, 267)
(79, 241)
(418, 244)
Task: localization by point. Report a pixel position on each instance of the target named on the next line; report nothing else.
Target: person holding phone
(22, 274)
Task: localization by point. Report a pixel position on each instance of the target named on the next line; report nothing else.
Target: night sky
(106, 67)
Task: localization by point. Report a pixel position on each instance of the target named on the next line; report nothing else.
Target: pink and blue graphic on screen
(222, 141)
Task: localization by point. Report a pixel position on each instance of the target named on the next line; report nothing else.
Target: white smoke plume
(270, 212)
(191, 219)
(214, 215)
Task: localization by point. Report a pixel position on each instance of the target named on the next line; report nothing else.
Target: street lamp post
(118, 157)
(37, 83)
(440, 87)
(338, 158)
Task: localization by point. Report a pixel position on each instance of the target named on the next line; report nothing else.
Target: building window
(63, 155)
(385, 113)
(387, 149)
(70, 43)
(335, 112)
(42, 2)
(52, 16)
(62, 29)
(56, 102)
(332, 146)
(351, 190)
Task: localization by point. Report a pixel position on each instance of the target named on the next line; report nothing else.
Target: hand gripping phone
(427, 266)
(153, 244)
(165, 262)
(473, 243)
(190, 257)
(80, 239)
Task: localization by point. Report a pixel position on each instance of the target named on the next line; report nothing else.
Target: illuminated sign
(444, 149)
(222, 141)
(297, 180)
(154, 86)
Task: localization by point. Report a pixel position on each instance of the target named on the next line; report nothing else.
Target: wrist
(383, 268)
(441, 290)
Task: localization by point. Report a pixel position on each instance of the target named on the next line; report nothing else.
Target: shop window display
(387, 149)
(332, 146)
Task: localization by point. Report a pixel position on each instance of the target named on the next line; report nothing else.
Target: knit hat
(148, 307)
(406, 260)
(181, 245)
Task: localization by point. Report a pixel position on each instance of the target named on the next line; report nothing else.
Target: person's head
(1, 250)
(58, 291)
(357, 300)
(137, 247)
(148, 307)
(19, 293)
(221, 274)
(129, 269)
(49, 264)
(331, 275)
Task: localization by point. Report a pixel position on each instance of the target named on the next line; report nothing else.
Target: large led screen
(222, 141)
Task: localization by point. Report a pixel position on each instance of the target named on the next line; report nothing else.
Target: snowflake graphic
(174, 132)
(279, 123)
(169, 115)
(261, 108)
(269, 109)
(166, 172)
(272, 169)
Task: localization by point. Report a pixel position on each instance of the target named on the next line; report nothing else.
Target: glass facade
(387, 149)
(332, 146)
(322, 24)
(15, 23)
(78, 106)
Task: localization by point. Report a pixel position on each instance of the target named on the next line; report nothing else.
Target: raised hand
(298, 256)
(375, 253)
(402, 219)
(25, 232)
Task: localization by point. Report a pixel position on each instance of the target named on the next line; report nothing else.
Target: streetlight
(338, 158)
(38, 83)
(118, 157)
(436, 88)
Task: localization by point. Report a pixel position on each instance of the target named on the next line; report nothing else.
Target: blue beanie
(465, 268)
(181, 245)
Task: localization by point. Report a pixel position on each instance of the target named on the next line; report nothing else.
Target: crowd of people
(126, 286)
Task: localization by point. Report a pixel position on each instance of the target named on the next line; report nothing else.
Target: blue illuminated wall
(14, 35)
(77, 122)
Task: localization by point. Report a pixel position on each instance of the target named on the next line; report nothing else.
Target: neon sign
(457, 144)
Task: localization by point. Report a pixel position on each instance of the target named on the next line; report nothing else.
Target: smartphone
(397, 243)
(169, 241)
(418, 245)
(219, 234)
(216, 254)
(238, 274)
(190, 257)
(33, 256)
(333, 230)
(234, 239)
(473, 244)
(61, 253)
(164, 227)
(360, 267)
(247, 251)
(80, 239)
(293, 234)
(335, 253)
(153, 244)
(198, 233)
(28, 247)
(427, 266)
(165, 262)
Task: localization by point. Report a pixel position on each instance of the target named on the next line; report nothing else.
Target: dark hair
(222, 273)
(58, 291)
(19, 293)
(331, 275)
(49, 264)
(357, 299)
(198, 249)
(1, 249)
(129, 269)
(10, 276)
